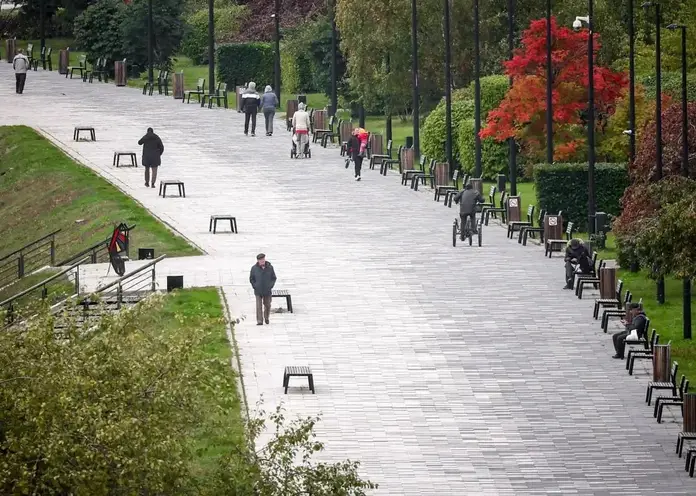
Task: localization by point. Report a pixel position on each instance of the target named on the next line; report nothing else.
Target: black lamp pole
(549, 86)
(512, 152)
(334, 36)
(211, 46)
(150, 47)
(477, 92)
(276, 19)
(389, 110)
(42, 23)
(414, 70)
(591, 124)
(631, 82)
(448, 87)
(686, 289)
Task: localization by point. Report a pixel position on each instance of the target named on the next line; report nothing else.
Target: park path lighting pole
(150, 45)
(577, 24)
(549, 87)
(686, 289)
(512, 152)
(658, 118)
(211, 46)
(334, 37)
(448, 87)
(477, 92)
(389, 110)
(276, 61)
(414, 70)
(631, 82)
(42, 24)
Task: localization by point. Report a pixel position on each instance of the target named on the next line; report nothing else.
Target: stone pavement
(445, 371)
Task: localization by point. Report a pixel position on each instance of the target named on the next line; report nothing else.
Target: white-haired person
(300, 127)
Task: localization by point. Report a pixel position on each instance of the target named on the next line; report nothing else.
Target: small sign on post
(513, 208)
(553, 227)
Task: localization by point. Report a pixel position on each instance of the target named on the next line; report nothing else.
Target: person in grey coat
(262, 278)
(251, 101)
(269, 102)
(152, 153)
(467, 200)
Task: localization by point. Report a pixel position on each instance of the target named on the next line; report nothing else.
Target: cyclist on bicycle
(467, 199)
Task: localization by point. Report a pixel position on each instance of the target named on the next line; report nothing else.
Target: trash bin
(120, 75)
(513, 205)
(501, 182)
(409, 141)
(63, 61)
(601, 222)
(302, 99)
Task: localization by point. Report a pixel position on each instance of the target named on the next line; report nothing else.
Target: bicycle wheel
(454, 232)
(467, 230)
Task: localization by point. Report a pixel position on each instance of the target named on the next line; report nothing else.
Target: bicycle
(466, 232)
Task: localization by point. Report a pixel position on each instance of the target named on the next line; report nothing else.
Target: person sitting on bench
(637, 318)
(576, 257)
(467, 200)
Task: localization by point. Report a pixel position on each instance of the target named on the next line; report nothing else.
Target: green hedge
(671, 85)
(494, 155)
(239, 63)
(564, 187)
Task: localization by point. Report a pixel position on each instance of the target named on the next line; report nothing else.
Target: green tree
(228, 19)
(97, 30)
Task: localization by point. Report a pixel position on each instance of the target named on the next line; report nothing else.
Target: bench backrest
(48, 52)
(222, 89)
(406, 159)
(491, 194)
(503, 195)
(320, 119)
(389, 148)
(345, 131)
(673, 373)
(569, 230)
(290, 108)
(421, 162)
(82, 60)
(200, 84)
(455, 178)
(30, 50)
(619, 288)
(530, 214)
(542, 214)
(376, 144)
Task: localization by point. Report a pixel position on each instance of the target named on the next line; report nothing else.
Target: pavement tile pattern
(445, 371)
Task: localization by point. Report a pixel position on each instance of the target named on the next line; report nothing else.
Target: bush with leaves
(434, 129)
(98, 30)
(494, 155)
(239, 63)
(671, 85)
(228, 20)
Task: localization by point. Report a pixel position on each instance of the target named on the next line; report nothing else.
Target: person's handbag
(632, 336)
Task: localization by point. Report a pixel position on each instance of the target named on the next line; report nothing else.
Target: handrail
(43, 283)
(130, 274)
(29, 244)
(83, 252)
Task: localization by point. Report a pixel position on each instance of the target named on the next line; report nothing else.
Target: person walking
(20, 64)
(262, 278)
(467, 199)
(152, 153)
(300, 127)
(269, 102)
(250, 105)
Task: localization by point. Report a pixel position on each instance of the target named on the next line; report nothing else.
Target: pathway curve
(445, 371)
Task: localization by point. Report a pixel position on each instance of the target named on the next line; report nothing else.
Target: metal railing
(68, 275)
(97, 253)
(34, 255)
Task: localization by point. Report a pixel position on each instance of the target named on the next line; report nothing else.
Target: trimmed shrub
(671, 85)
(564, 187)
(227, 23)
(239, 63)
(98, 30)
(434, 130)
(296, 71)
(494, 155)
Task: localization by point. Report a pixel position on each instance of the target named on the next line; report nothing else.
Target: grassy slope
(42, 189)
(211, 441)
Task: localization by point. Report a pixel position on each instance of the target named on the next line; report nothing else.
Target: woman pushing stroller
(300, 129)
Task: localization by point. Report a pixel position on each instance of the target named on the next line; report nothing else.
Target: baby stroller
(293, 151)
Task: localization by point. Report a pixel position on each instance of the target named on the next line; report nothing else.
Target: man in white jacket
(20, 64)
(301, 126)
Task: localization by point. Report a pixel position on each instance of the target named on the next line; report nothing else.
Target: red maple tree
(522, 113)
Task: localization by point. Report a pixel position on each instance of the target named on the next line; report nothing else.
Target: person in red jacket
(357, 148)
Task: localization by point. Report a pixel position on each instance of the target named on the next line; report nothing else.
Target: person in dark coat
(467, 199)
(637, 323)
(251, 101)
(262, 278)
(576, 256)
(152, 153)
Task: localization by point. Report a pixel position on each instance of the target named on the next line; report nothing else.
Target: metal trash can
(501, 182)
(409, 141)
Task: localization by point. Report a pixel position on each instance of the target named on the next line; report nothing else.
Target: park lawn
(42, 190)
(221, 433)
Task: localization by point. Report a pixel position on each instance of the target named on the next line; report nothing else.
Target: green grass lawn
(189, 308)
(42, 190)
(56, 44)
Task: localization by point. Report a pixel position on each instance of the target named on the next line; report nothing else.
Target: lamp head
(628, 132)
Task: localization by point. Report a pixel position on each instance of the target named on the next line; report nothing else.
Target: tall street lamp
(211, 46)
(686, 289)
(658, 117)
(448, 87)
(512, 152)
(631, 82)
(276, 62)
(150, 47)
(477, 92)
(42, 23)
(389, 117)
(549, 86)
(590, 117)
(334, 37)
(414, 70)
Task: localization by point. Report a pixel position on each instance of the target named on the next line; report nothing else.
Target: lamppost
(276, 62)
(389, 117)
(686, 289)
(150, 45)
(512, 152)
(549, 86)
(448, 87)
(577, 24)
(477, 92)
(42, 23)
(631, 82)
(658, 118)
(334, 36)
(211, 46)
(414, 70)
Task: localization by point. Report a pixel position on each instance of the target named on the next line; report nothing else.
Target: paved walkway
(445, 371)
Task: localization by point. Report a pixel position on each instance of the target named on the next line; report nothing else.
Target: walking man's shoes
(618, 357)
(267, 321)
(259, 323)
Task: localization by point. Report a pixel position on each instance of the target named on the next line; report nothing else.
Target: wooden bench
(283, 293)
(387, 163)
(491, 199)
(517, 225)
(452, 192)
(298, 371)
(582, 279)
(172, 182)
(690, 461)
(219, 97)
(100, 71)
(609, 302)
(131, 155)
(444, 189)
(526, 231)
(215, 218)
(620, 312)
(487, 211)
(380, 157)
(645, 354)
(45, 59)
(552, 245)
(290, 109)
(82, 61)
(678, 400)
(424, 176)
(688, 432)
(198, 92)
(670, 385)
(79, 129)
(88, 74)
(408, 170)
(345, 131)
(321, 124)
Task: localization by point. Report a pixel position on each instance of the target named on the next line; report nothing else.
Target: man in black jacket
(576, 255)
(467, 200)
(262, 279)
(637, 323)
(152, 151)
(251, 101)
